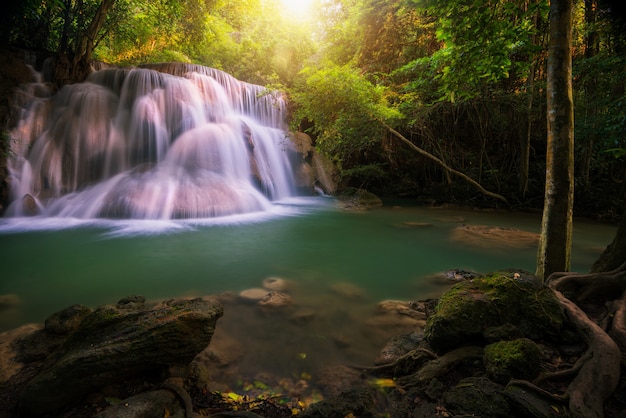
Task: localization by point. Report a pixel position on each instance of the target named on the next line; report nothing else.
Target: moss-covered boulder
(517, 359)
(468, 311)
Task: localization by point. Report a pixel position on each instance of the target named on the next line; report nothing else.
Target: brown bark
(556, 226)
(615, 253)
(601, 370)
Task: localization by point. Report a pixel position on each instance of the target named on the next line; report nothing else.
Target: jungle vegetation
(464, 82)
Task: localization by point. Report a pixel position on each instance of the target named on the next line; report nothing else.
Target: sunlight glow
(298, 9)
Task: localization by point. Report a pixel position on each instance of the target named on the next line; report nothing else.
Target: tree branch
(442, 164)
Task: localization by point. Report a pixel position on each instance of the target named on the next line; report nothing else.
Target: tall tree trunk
(556, 226)
(615, 254)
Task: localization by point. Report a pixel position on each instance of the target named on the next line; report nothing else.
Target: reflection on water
(386, 253)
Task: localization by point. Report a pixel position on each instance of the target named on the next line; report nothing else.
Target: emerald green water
(314, 247)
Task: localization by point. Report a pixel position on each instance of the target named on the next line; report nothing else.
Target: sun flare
(300, 9)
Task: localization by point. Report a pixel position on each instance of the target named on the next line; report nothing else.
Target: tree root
(564, 374)
(533, 387)
(175, 385)
(585, 288)
(617, 330)
(402, 366)
(441, 365)
(600, 368)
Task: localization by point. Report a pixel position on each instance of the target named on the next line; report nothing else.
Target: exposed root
(402, 366)
(618, 327)
(563, 374)
(599, 372)
(534, 388)
(592, 287)
(173, 384)
(442, 365)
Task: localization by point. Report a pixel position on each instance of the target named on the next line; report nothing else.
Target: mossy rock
(359, 199)
(517, 359)
(470, 308)
(477, 397)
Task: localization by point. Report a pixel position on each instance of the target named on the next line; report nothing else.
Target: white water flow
(170, 141)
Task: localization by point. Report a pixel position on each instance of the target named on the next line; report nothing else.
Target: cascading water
(167, 141)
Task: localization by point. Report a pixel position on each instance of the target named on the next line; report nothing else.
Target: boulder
(115, 343)
(354, 403)
(469, 309)
(517, 359)
(479, 397)
(359, 199)
(398, 346)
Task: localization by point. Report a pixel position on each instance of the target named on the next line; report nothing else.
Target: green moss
(471, 307)
(517, 359)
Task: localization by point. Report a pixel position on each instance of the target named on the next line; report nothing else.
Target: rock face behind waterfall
(80, 351)
(163, 141)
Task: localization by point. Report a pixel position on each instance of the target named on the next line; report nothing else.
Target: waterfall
(164, 141)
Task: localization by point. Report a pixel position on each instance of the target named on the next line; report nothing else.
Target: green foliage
(345, 108)
(480, 40)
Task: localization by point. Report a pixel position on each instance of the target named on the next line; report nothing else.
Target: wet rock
(347, 290)
(10, 363)
(275, 300)
(338, 379)
(355, 403)
(517, 359)
(112, 345)
(158, 403)
(414, 224)
(398, 346)
(303, 316)
(401, 308)
(485, 236)
(275, 283)
(9, 301)
(527, 403)
(29, 206)
(359, 199)
(470, 307)
(477, 396)
(66, 320)
(253, 295)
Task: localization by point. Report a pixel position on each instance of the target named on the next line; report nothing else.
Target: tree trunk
(615, 254)
(556, 227)
(74, 66)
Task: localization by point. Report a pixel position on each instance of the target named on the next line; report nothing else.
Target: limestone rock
(253, 295)
(114, 344)
(275, 283)
(276, 300)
